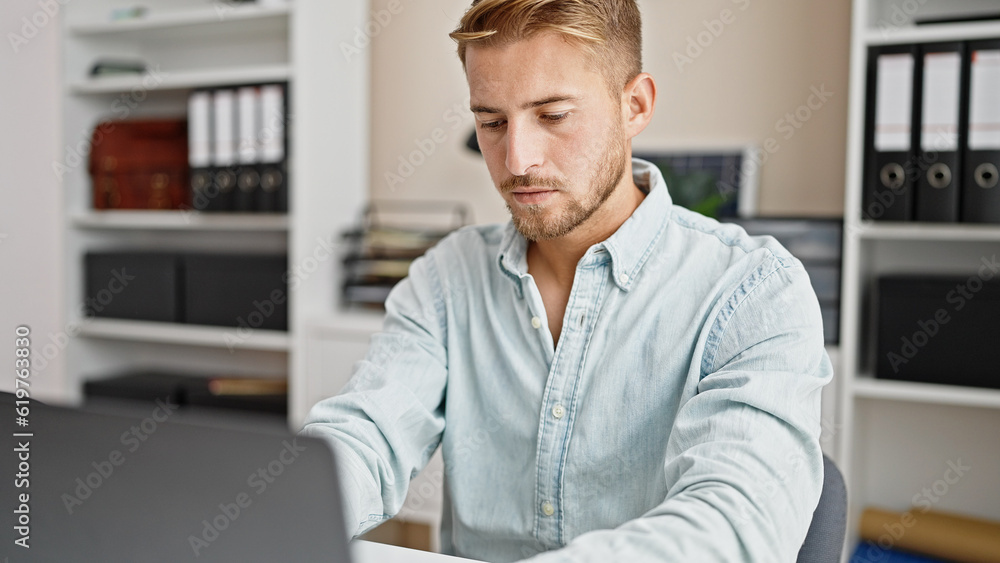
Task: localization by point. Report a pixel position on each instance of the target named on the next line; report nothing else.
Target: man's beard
(533, 221)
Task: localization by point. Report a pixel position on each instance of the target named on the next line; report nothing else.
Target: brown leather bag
(140, 164)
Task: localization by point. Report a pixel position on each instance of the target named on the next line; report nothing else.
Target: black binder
(200, 148)
(980, 189)
(273, 157)
(247, 187)
(273, 193)
(223, 185)
(248, 151)
(941, 105)
(890, 140)
(223, 150)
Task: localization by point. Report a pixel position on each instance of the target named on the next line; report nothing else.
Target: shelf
(870, 388)
(208, 15)
(193, 335)
(143, 220)
(182, 80)
(964, 232)
(929, 33)
(353, 322)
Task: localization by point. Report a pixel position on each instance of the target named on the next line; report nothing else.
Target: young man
(610, 378)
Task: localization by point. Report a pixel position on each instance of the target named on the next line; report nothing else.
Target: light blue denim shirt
(677, 419)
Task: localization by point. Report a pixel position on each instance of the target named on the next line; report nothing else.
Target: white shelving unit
(895, 439)
(200, 43)
(189, 335)
(891, 34)
(867, 387)
(141, 219)
(182, 80)
(176, 17)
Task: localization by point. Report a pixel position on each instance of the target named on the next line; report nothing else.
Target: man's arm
(744, 467)
(387, 421)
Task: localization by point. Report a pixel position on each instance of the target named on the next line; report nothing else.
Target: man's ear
(639, 100)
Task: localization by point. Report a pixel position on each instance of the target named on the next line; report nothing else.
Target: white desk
(371, 552)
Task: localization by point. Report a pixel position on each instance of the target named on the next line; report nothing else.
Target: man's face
(552, 136)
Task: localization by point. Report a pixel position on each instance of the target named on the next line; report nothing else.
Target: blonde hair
(610, 30)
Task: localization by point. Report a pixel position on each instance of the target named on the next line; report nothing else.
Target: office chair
(825, 538)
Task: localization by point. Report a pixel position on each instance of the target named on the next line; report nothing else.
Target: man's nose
(524, 148)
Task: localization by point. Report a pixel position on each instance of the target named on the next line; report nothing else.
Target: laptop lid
(82, 486)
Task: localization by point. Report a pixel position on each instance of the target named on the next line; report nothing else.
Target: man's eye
(555, 117)
(491, 125)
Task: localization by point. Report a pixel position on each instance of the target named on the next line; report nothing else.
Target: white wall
(418, 87)
(30, 198)
(758, 68)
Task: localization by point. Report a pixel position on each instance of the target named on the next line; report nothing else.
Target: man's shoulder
(729, 239)
(473, 237)
(472, 247)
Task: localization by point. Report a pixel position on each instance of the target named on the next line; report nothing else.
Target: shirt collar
(513, 255)
(629, 247)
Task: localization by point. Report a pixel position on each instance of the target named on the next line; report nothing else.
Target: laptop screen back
(112, 488)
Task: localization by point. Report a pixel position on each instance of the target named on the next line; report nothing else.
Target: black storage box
(271, 403)
(938, 330)
(133, 285)
(236, 290)
(185, 390)
(147, 386)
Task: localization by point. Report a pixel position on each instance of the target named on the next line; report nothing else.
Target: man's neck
(558, 257)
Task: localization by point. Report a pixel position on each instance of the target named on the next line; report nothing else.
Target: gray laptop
(110, 488)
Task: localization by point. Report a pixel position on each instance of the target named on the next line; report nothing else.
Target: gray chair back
(825, 538)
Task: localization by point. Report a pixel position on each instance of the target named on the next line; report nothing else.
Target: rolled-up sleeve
(744, 468)
(388, 420)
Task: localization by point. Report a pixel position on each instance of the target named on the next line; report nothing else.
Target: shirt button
(623, 279)
(548, 509)
(558, 411)
(536, 322)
